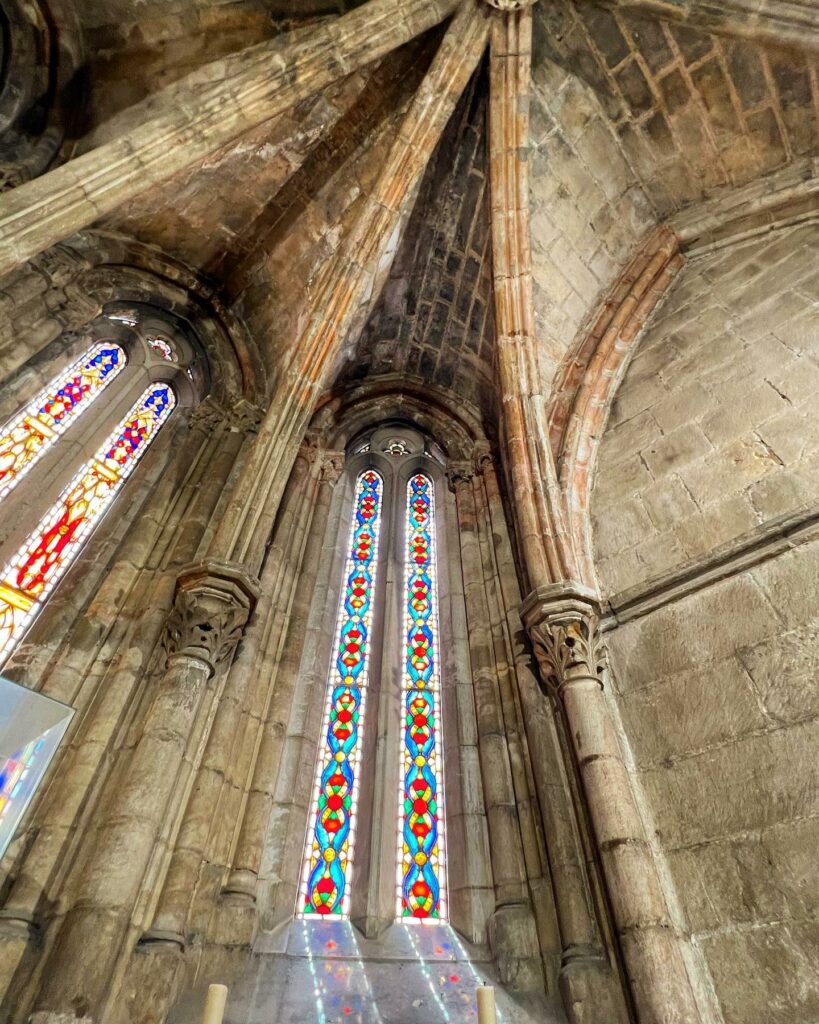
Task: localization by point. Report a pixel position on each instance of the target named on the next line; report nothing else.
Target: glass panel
(31, 727)
(421, 874)
(32, 574)
(27, 437)
(328, 857)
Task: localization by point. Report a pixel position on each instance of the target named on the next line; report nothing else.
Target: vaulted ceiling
(632, 118)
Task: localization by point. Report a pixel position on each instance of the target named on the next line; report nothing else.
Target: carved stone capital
(332, 466)
(483, 456)
(563, 622)
(460, 473)
(242, 417)
(511, 5)
(212, 605)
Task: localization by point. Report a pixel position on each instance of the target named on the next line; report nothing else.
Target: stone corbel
(212, 605)
(563, 622)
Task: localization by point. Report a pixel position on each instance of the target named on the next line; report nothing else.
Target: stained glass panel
(47, 553)
(421, 875)
(328, 857)
(27, 437)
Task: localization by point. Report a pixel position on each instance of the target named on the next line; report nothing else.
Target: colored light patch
(421, 870)
(328, 856)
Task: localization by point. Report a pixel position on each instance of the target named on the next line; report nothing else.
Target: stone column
(590, 987)
(345, 287)
(512, 927)
(538, 508)
(126, 617)
(273, 79)
(212, 604)
(226, 747)
(564, 626)
(243, 879)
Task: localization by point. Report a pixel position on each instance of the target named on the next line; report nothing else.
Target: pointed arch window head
(27, 437)
(421, 861)
(50, 549)
(328, 859)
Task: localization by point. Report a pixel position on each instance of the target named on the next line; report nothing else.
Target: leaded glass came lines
(421, 889)
(27, 437)
(47, 553)
(328, 857)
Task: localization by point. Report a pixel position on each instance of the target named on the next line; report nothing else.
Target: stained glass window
(162, 348)
(30, 434)
(32, 574)
(328, 858)
(421, 874)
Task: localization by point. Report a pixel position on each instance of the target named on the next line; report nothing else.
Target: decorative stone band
(212, 605)
(563, 622)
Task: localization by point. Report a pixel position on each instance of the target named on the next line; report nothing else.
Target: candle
(215, 1004)
(486, 1005)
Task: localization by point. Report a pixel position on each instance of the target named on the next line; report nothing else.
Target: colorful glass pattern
(421, 889)
(328, 857)
(162, 348)
(47, 553)
(14, 775)
(31, 433)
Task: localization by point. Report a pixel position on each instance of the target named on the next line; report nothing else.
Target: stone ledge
(735, 556)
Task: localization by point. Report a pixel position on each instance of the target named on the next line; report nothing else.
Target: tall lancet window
(29, 435)
(421, 857)
(390, 782)
(48, 551)
(328, 861)
(67, 452)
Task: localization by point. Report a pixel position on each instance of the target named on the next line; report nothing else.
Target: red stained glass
(48, 552)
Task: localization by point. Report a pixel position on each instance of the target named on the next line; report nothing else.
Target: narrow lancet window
(47, 553)
(328, 858)
(421, 890)
(27, 437)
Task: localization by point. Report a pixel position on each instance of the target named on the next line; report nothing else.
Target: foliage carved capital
(563, 623)
(332, 466)
(511, 5)
(212, 605)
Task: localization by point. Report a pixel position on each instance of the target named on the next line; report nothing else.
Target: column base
(590, 990)
(157, 938)
(514, 943)
(241, 887)
(18, 924)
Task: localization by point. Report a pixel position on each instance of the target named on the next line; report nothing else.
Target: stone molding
(242, 417)
(563, 621)
(212, 605)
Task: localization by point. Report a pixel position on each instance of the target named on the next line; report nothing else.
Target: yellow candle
(215, 1004)
(486, 1005)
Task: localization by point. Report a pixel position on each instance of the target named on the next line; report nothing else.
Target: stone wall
(714, 430)
(703, 510)
(720, 705)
